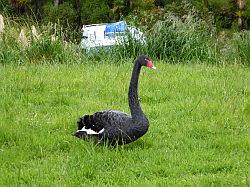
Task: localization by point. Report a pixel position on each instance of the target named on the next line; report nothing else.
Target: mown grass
(198, 132)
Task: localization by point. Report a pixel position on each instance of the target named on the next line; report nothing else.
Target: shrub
(4, 6)
(63, 13)
(63, 16)
(95, 12)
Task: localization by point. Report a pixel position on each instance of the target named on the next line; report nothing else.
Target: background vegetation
(179, 31)
(172, 38)
(76, 13)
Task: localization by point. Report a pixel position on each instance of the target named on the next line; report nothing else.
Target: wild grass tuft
(183, 39)
(36, 44)
(241, 45)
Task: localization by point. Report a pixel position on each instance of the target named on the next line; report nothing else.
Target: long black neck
(134, 105)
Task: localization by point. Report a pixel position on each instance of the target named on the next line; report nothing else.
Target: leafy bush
(4, 6)
(64, 18)
(95, 12)
(63, 13)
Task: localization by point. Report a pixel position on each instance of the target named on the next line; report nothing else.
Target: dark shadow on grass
(138, 144)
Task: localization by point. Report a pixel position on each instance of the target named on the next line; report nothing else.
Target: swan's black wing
(104, 119)
(106, 125)
(112, 119)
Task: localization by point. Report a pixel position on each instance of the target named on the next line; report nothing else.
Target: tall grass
(184, 40)
(174, 40)
(241, 45)
(189, 39)
(48, 45)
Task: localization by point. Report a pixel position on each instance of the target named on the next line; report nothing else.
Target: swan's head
(144, 60)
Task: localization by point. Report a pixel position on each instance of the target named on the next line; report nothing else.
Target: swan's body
(115, 127)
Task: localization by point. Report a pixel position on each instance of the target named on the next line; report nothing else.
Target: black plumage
(115, 127)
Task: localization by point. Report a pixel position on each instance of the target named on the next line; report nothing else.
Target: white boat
(108, 34)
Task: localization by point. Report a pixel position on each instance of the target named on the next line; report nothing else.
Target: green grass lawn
(198, 135)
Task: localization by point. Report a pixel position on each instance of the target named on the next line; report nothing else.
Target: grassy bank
(198, 125)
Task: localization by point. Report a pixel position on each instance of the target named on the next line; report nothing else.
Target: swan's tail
(87, 127)
(86, 121)
(81, 123)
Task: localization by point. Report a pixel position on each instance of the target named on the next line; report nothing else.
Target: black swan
(115, 127)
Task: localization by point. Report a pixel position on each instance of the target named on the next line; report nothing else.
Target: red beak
(150, 64)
